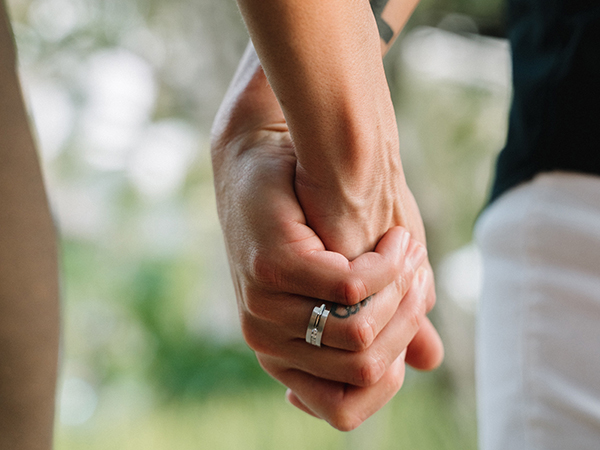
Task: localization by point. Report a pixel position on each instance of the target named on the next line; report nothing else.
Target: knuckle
(256, 306)
(403, 284)
(415, 316)
(396, 382)
(251, 334)
(369, 371)
(431, 299)
(361, 333)
(265, 364)
(344, 420)
(352, 291)
(263, 270)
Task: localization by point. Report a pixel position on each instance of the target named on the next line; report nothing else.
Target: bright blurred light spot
(471, 61)
(122, 87)
(460, 275)
(159, 165)
(52, 111)
(83, 212)
(121, 96)
(56, 19)
(78, 401)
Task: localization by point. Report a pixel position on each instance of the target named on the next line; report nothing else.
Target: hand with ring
(282, 271)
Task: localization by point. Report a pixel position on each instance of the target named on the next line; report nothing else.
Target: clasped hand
(282, 269)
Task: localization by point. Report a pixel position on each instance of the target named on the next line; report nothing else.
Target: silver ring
(316, 324)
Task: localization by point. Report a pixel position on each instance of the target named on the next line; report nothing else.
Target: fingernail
(417, 256)
(288, 392)
(405, 242)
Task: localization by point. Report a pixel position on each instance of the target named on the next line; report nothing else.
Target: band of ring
(316, 325)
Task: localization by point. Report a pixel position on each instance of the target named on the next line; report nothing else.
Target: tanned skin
(29, 309)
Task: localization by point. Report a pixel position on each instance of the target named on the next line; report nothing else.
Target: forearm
(28, 278)
(323, 61)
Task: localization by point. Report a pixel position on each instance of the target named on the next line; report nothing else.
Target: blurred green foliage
(420, 417)
(184, 365)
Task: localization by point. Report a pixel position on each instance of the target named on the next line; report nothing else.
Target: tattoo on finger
(343, 312)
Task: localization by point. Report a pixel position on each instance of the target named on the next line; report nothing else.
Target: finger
(431, 296)
(294, 400)
(330, 276)
(357, 368)
(352, 327)
(344, 407)
(426, 350)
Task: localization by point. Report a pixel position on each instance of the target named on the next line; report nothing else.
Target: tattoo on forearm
(343, 312)
(385, 31)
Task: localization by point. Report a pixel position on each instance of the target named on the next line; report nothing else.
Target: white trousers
(538, 331)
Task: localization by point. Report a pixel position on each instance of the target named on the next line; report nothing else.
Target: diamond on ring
(316, 325)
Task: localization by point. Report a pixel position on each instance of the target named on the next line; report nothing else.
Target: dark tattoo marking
(385, 31)
(343, 312)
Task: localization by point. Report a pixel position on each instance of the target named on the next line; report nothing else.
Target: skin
(307, 166)
(280, 265)
(323, 62)
(29, 309)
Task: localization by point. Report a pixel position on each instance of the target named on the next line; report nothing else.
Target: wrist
(351, 213)
(361, 153)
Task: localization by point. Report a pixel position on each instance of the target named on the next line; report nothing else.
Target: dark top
(555, 114)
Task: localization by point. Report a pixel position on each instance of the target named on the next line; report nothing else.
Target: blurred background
(122, 94)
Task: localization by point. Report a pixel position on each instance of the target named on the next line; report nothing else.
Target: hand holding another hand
(282, 270)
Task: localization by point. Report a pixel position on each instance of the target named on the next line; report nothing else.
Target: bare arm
(323, 61)
(29, 308)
